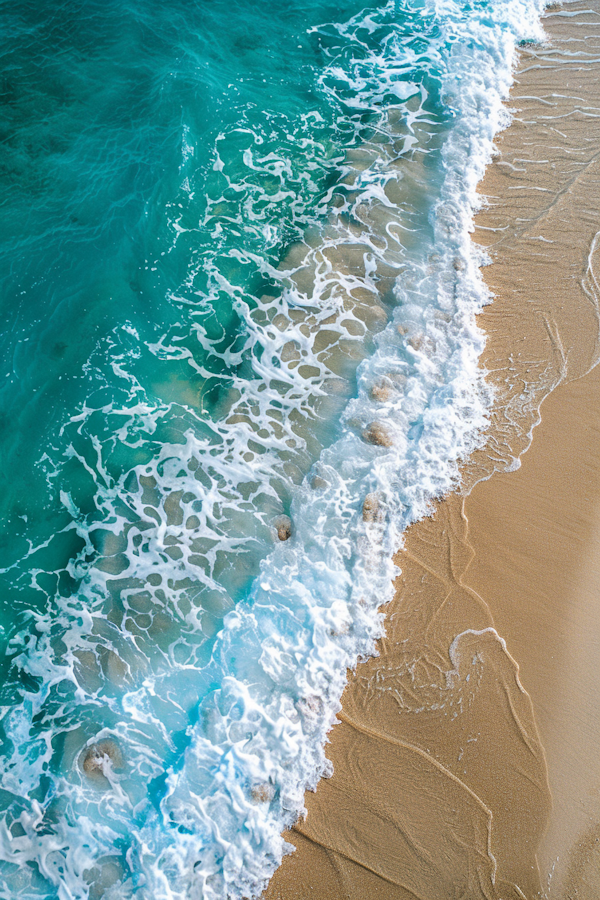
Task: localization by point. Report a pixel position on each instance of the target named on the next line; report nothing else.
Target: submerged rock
(421, 343)
(103, 876)
(262, 792)
(283, 527)
(373, 510)
(381, 391)
(99, 759)
(376, 433)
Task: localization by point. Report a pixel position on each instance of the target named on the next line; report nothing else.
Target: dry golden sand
(467, 761)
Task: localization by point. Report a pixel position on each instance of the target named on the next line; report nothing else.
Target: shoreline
(455, 764)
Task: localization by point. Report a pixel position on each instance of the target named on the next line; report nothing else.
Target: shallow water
(238, 286)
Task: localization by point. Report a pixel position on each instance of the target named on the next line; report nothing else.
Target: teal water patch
(239, 294)
(158, 162)
(112, 119)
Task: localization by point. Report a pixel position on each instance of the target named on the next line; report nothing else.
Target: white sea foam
(192, 805)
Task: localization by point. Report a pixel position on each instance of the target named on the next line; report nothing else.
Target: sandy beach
(466, 758)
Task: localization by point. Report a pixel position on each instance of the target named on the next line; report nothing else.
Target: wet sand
(467, 758)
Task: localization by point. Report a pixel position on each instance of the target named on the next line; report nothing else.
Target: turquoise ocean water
(238, 298)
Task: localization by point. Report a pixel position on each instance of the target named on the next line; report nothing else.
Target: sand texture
(467, 759)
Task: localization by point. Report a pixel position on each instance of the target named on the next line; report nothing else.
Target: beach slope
(466, 758)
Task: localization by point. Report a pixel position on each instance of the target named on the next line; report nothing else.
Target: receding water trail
(247, 361)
